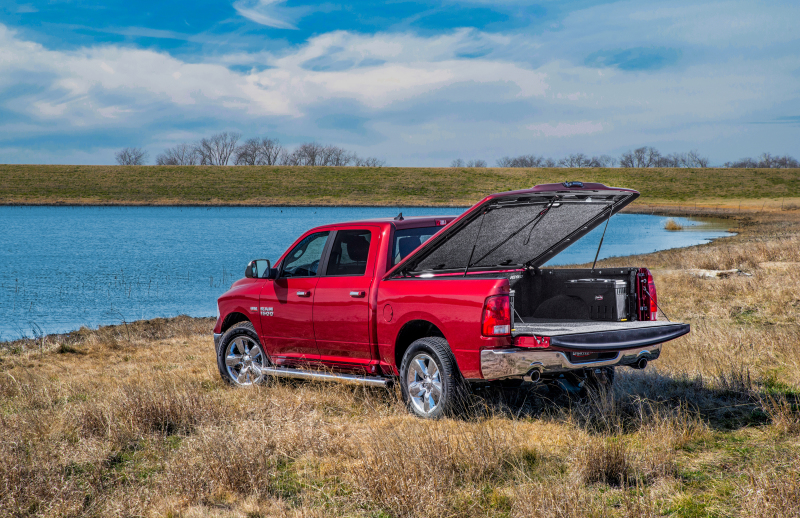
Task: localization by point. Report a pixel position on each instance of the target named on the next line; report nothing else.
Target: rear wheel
(430, 382)
(240, 356)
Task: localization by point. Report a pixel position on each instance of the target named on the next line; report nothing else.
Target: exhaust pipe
(533, 376)
(641, 364)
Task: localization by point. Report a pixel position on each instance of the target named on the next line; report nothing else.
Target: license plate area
(585, 357)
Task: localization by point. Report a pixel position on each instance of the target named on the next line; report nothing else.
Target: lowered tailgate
(601, 335)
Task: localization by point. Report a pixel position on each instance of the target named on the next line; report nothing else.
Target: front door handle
(303, 293)
(357, 294)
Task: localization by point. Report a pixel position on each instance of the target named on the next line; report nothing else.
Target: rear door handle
(303, 293)
(357, 294)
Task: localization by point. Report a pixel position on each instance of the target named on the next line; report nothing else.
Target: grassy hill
(268, 185)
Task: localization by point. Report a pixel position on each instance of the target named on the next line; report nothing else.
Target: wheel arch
(412, 331)
(233, 318)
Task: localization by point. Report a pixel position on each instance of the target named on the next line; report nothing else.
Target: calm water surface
(65, 267)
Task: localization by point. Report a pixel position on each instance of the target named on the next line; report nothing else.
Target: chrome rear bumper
(516, 362)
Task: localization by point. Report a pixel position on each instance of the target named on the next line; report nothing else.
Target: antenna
(399, 217)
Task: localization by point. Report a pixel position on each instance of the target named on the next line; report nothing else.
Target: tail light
(646, 296)
(496, 319)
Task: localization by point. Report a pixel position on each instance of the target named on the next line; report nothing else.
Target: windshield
(408, 239)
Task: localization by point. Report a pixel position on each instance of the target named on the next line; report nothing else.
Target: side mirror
(260, 269)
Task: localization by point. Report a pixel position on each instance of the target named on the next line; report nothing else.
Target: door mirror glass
(260, 269)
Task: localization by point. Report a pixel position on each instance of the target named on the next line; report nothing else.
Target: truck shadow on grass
(726, 402)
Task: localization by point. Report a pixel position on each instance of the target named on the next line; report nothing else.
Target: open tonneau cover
(516, 229)
(593, 334)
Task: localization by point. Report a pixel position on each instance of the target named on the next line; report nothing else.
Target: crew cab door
(287, 302)
(342, 298)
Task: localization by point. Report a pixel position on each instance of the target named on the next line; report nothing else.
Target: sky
(414, 83)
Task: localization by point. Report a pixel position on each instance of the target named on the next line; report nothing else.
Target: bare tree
(217, 149)
(287, 158)
(131, 156)
(786, 162)
(457, 163)
(336, 156)
(627, 159)
(576, 160)
(766, 160)
(693, 159)
(526, 161)
(476, 163)
(604, 161)
(247, 153)
(182, 154)
(744, 163)
(368, 162)
(641, 157)
(255, 151)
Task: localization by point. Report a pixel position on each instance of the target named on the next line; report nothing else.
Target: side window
(349, 253)
(303, 260)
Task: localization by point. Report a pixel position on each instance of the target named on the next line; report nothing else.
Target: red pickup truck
(442, 303)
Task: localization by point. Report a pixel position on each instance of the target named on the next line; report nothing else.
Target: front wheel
(240, 357)
(430, 382)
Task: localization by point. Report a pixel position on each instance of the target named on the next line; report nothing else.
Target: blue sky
(412, 82)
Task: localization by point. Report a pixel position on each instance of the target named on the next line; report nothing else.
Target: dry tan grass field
(135, 421)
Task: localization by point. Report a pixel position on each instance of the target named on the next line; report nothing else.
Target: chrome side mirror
(260, 269)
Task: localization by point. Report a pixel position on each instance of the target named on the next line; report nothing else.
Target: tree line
(646, 156)
(224, 149)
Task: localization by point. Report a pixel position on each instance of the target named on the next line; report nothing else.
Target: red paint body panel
(453, 305)
(289, 332)
(341, 320)
(243, 297)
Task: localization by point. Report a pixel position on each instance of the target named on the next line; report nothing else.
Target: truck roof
(406, 222)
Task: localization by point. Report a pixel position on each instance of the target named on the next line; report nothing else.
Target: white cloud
(263, 12)
(418, 100)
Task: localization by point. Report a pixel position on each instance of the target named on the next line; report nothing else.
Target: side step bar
(370, 381)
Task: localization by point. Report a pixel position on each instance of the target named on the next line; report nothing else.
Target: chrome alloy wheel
(424, 383)
(245, 361)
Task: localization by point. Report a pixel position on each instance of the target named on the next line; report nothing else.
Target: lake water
(65, 267)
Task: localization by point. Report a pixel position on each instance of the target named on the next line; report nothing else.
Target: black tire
(246, 334)
(451, 386)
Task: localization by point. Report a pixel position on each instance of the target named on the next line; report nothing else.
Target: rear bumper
(516, 362)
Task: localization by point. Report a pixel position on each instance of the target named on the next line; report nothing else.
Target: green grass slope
(268, 185)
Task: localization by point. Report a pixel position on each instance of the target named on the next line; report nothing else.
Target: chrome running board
(370, 381)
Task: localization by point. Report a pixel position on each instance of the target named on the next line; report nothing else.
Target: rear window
(408, 239)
